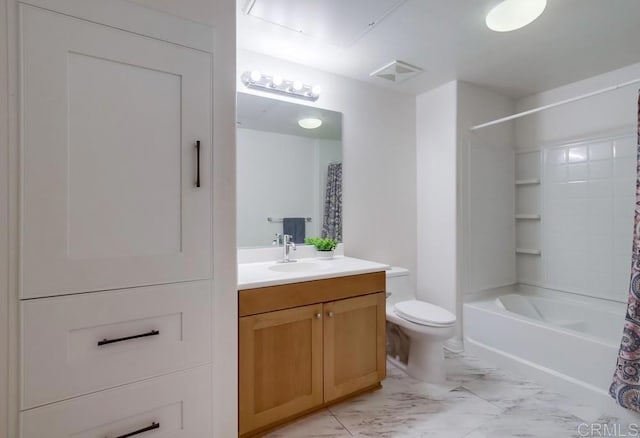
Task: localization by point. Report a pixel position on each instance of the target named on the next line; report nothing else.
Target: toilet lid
(424, 313)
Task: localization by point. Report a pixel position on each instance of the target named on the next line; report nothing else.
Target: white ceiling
(336, 22)
(272, 115)
(572, 40)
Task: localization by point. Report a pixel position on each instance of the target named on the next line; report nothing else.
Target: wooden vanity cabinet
(305, 345)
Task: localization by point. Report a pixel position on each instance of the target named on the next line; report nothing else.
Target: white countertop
(253, 275)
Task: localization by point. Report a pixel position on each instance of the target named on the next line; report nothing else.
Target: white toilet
(427, 326)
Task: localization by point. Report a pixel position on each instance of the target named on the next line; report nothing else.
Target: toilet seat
(423, 313)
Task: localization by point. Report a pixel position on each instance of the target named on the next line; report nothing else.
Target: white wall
(587, 198)
(225, 279)
(280, 176)
(5, 303)
(379, 154)
(487, 194)
(616, 110)
(465, 195)
(437, 210)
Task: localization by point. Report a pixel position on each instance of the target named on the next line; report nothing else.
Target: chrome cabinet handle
(128, 338)
(331, 314)
(198, 163)
(318, 315)
(153, 426)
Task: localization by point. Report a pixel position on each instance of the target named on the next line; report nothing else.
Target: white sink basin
(300, 267)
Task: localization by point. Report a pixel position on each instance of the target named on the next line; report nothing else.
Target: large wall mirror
(288, 177)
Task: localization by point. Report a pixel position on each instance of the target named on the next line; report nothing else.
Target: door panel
(122, 207)
(109, 158)
(354, 345)
(280, 365)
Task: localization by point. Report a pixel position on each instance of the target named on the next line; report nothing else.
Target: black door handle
(143, 430)
(198, 163)
(127, 338)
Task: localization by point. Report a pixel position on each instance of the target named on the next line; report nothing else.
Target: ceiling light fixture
(510, 15)
(279, 85)
(310, 123)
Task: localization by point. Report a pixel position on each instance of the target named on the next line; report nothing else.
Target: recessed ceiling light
(510, 15)
(310, 123)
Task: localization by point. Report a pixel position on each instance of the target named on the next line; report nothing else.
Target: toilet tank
(399, 285)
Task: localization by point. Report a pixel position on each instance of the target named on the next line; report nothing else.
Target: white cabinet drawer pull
(128, 338)
(143, 430)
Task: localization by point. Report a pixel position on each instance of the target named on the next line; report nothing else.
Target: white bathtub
(565, 341)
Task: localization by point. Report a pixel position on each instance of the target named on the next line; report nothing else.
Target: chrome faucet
(287, 245)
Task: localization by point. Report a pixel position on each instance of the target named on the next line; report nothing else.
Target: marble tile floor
(477, 401)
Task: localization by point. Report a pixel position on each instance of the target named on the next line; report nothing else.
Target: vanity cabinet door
(110, 164)
(280, 365)
(354, 345)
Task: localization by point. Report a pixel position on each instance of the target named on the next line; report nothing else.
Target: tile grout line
(502, 408)
(338, 420)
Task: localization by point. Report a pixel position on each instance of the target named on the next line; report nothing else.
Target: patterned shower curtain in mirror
(332, 221)
(626, 380)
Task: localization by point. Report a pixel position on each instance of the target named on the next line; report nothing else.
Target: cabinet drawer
(286, 296)
(79, 344)
(172, 406)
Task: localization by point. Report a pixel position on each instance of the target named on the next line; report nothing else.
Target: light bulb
(256, 76)
(315, 90)
(276, 81)
(297, 85)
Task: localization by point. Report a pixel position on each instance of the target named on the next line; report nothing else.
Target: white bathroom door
(111, 121)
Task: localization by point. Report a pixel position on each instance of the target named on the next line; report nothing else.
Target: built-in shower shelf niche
(528, 251)
(528, 182)
(528, 185)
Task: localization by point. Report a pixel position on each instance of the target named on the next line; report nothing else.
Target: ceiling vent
(397, 71)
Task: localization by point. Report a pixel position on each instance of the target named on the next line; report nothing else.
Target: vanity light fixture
(510, 15)
(310, 123)
(278, 85)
